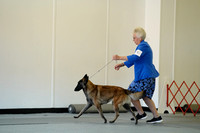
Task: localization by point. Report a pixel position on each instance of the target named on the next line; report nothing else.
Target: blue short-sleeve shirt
(142, 60)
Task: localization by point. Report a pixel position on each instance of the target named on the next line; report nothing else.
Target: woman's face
(136, 39)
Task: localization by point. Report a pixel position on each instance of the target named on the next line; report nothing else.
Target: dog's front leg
(87, 106)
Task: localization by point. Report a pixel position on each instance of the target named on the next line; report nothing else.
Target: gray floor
(92, 123)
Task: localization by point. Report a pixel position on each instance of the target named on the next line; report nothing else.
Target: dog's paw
(105, 121)
(75, 117)
(111, 121)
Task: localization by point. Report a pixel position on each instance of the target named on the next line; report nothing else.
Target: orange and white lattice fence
(183, 95)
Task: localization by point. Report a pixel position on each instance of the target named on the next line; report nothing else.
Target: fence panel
(172, 96)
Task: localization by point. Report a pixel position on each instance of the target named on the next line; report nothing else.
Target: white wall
(80, 46)
(167, 43)
(187, 55)
(25, 53)
(47, 46)
(179, 48)
(152, 27)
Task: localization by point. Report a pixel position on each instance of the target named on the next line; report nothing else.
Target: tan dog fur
(102, 94)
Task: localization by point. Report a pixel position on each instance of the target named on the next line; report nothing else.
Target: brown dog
(100, 94)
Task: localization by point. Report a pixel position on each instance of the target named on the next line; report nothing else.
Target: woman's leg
(138, 106)
(149, 102)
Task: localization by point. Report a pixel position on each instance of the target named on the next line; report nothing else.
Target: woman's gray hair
(140, 32)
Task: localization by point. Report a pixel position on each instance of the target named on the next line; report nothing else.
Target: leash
(101, 69)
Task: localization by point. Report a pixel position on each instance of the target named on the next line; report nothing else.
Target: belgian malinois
(101, 94)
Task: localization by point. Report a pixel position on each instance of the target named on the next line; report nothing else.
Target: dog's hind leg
(87, 106)
(128, 108)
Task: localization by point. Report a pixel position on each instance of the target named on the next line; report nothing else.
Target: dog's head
(82, 83)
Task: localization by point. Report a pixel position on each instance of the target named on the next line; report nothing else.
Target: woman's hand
(118, 66)
(116, 57)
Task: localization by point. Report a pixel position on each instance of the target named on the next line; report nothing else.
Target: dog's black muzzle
(78, 87)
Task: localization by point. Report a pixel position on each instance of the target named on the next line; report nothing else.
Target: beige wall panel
(80, 47)
(187, 55)
(25, 53)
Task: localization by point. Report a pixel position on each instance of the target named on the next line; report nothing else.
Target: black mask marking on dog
(82, 83)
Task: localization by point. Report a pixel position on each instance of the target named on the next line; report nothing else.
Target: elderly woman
(145, 74)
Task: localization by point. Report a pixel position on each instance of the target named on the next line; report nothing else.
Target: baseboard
(43, 110)
(33, 110)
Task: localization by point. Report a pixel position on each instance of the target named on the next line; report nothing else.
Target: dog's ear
(85, 76)
(85, 79)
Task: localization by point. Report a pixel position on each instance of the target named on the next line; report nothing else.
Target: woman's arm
(117, 57)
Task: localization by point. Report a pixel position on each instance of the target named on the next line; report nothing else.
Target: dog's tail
(127, 92)
(136, 95)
